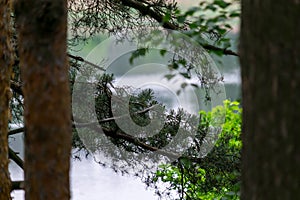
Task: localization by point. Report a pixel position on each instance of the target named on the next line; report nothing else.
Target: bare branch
(13, 155)
(17, 185)
(78, 58)
(16, 131)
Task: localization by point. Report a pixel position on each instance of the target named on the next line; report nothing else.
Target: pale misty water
(90, 181)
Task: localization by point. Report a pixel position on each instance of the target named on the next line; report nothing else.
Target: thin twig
(82, 125)
(78, 58)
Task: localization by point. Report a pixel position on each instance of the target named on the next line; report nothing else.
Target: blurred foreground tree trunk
(42, 28)
(5, 73)
(270, 59)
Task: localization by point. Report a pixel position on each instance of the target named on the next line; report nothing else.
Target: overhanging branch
(129, 138)
(82, 125)
(224, 51)
(146, 10)
(119, 134)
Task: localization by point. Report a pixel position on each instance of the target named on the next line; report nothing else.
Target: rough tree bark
(5, 73)
(41, 27)
(270, 61)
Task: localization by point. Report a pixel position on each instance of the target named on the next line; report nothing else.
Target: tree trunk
(5, 73)
(42, 28)
(270, 61)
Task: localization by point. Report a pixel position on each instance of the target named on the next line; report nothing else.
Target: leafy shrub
(216, 176)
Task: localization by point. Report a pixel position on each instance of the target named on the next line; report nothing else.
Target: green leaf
(234, 14)
(191, 11)
(182, 61)
(185, 75)
(137, 53)
(193, 26)
(169, 76)
(211, 7)
(181, 19)
(163, 52)
(228, 26)
(167, 17)
(218, 52)
(185, 161)
(183, 85)
(221, 3)
(173, 66)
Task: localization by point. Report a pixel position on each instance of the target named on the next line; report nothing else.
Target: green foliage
(143, 108)
(210, 22)
(216, 176)
(137, 53)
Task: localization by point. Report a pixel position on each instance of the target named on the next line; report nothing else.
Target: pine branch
(129, 138)
(82, 125)
(146, 10)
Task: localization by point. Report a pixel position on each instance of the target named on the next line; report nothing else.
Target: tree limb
(121, 135)
(146, 10)
(17, 87)
(12, 155)
(214, 48)
(82, 125)
(129, 138)
(17, 185)
(16, 131)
